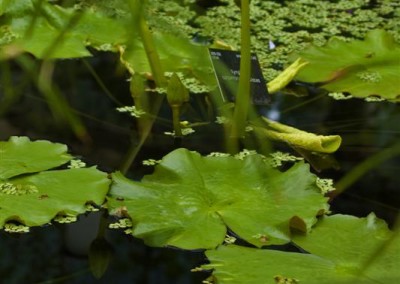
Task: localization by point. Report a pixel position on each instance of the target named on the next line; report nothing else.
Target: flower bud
(177, 93)
(286, 76)
(100, 254)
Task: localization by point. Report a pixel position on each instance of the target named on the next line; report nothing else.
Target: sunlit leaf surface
(341, 246)
(361, 68)
(190, 201)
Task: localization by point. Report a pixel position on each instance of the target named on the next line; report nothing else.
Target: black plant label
(226, 64)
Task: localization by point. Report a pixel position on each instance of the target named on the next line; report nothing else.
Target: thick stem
(137, 11)
(151, 52)
(243, 95)
(176, 120)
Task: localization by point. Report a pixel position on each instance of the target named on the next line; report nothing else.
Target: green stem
(152, 55)
(176, 120)
(243, 95)
(137, 11)
(103, 225)
(146, 122)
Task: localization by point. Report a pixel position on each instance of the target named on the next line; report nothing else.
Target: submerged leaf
(361, 68)
(190, 201)
(339, 245)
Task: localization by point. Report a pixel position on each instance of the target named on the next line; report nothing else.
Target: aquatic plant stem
(137, 11)
(176, 120)
(146, 122)
(243, 93)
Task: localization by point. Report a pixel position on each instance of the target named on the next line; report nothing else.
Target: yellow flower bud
(286, 76)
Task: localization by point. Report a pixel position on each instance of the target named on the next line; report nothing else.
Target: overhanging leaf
(19, 155)
(50, 31)
(190, 201)
(340, 246)
(175, 53)
(361, 68)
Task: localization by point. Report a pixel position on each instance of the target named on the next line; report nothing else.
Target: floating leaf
(361, 68)
(32, 196)
(19, 155)
(351, 242)
(340, 245)
(190, 201)
(63, 192)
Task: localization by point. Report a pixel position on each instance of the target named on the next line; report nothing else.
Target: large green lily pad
(361, 68)
(190, 201)
(33, 196)
(344, 249)
(19, 155)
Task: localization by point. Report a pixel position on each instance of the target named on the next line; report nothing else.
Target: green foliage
(19, 156)
(177, 94)
(361, 68)
(190, 200)
(51, 31)
(340, 247)
(32, 196)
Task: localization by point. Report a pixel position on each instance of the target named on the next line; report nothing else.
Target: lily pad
(19, 155)
(33, 196)
(40, 197)
(344, 249)
(361, 246)
(361, 68)
(190, 201)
